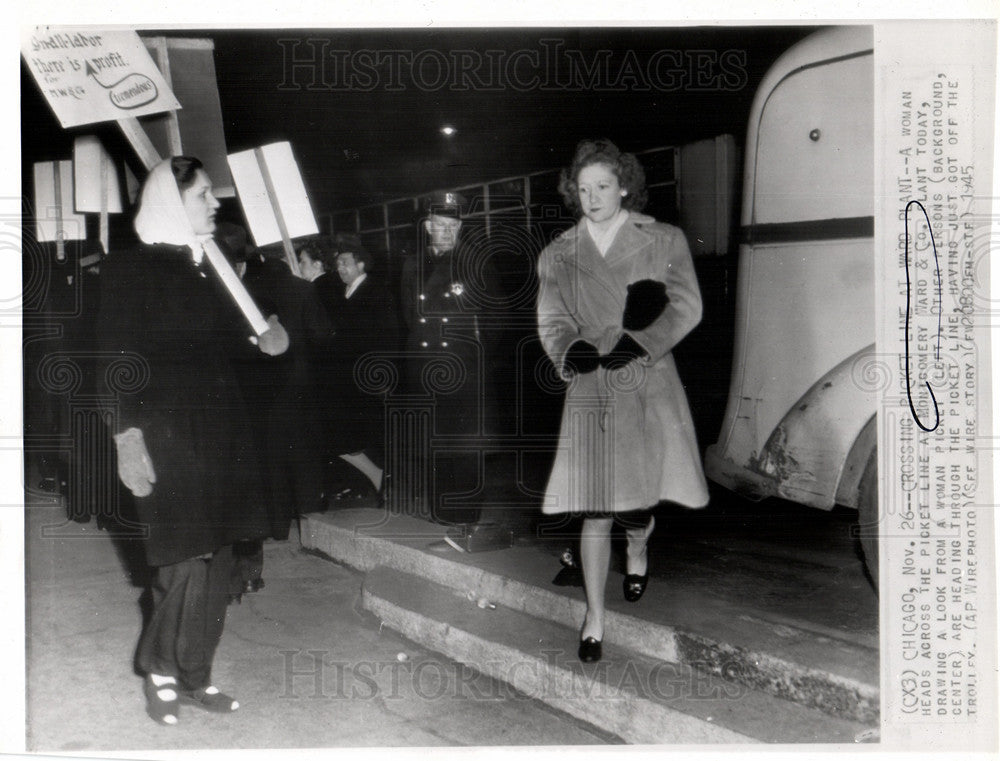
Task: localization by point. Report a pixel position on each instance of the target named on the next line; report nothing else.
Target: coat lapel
(587, 260)
(629, 241)
(606, 270)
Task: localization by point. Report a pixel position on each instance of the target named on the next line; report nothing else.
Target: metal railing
(390, 227)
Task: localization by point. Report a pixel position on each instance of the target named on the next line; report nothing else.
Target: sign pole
(103, 224)
(140, 142)
(272, 196)
(60, 232)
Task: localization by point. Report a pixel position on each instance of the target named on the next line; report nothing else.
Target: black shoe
(236, 599)
(590, 650)
(634, 586)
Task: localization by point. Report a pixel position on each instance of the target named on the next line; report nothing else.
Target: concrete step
(672, 623)
(640, 699)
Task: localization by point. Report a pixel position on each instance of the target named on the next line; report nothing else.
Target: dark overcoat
(365, 332)
(170, 338)
(287, 401)
(627, 440)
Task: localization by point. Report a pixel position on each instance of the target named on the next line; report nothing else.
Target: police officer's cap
(445, 203)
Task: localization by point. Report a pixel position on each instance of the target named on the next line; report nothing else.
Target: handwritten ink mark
(131, 91)
(906, 324)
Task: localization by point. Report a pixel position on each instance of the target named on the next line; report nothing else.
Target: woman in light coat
(617, 293)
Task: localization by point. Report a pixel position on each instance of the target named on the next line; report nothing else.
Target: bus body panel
(805, 328)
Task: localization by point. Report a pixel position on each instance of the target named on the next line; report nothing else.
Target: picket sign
(273, 196)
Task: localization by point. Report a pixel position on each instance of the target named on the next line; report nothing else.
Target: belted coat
(626, 440)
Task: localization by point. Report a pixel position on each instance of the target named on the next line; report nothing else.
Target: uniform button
(444, 319)
(424, 344)
(444, 343)
(447, 295)
(422, 297)
(423, 319)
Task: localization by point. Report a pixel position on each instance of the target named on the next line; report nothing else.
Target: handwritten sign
(92, 76)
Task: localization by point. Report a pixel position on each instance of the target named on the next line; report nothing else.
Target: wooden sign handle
(235, 287)
(140, 142)
(60, 231)
(103, 220)
(272, 196)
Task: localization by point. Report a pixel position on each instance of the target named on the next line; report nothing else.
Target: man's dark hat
(348, 243)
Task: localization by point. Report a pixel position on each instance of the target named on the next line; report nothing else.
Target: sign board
(95, 177)
(55, 218)
(272, 193)
(92, 76)
(188, 65)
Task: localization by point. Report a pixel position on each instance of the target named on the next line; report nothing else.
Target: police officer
(447, 292)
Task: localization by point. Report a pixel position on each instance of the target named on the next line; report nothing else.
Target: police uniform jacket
(450, 339)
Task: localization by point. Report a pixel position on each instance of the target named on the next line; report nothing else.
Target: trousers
(189, 612)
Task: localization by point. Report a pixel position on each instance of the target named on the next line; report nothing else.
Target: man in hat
(452, 311)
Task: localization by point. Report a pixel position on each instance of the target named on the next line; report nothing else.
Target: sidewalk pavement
(310, 666)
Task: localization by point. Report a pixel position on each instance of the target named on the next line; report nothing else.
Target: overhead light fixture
(447, 130)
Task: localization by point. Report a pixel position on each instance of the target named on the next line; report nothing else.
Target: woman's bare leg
(595, 557)
(636, 557)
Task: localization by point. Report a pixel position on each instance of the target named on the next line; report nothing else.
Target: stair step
(638, 698)
(811, 668)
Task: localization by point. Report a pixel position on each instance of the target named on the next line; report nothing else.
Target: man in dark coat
(281, 396)
(292, 424)
(364, 318)
(317, 263)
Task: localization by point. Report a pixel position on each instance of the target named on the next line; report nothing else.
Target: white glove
(135, 466)
(274, 340)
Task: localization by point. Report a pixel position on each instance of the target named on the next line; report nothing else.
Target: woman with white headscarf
(173, 337)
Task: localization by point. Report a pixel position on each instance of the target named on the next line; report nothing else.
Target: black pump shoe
(634, 586)
(590, 650)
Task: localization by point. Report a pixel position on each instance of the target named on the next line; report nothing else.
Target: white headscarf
(162, 217)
